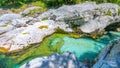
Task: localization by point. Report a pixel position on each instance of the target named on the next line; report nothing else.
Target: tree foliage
(53, 3)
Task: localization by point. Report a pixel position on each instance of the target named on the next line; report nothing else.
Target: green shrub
(53, 3)
(118, 11)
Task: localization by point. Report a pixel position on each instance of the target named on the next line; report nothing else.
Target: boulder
(109, 56)
(88, 17)
(66, 60)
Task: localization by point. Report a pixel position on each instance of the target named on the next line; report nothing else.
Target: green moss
(58, 30)
(78, 1)
(73, 35)
(109, 13)
(40, 4)
(44, 19)
(36, 10)
(39, 10)
(26, 5)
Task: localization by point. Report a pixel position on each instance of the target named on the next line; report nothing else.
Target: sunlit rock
(5, 28)
(9, 17)
(94, 17)
(98, 24)
(6, 38)
(34, 34)
(66, 60)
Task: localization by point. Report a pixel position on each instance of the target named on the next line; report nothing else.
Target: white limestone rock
(6, 28)
(89, 11)
(9, 17)
(22, 22)
(97, 24)
(23, 36)
(65, 60)
(6, 38)
(35, 34)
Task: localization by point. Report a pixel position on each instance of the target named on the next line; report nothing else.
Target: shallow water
(83, 48)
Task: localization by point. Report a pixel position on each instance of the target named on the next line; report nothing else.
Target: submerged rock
(109, 56)
(66, 60)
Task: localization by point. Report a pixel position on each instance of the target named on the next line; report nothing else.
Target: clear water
(83, 48)
(88, 48)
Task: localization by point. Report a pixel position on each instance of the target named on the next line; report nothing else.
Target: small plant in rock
(46, 18)
(108, 13)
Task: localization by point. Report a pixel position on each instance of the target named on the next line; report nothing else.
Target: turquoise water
(87, 48)
(83, 48)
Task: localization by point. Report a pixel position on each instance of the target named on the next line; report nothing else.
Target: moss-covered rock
(32, 11)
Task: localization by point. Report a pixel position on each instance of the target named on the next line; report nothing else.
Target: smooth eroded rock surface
(66, 60)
